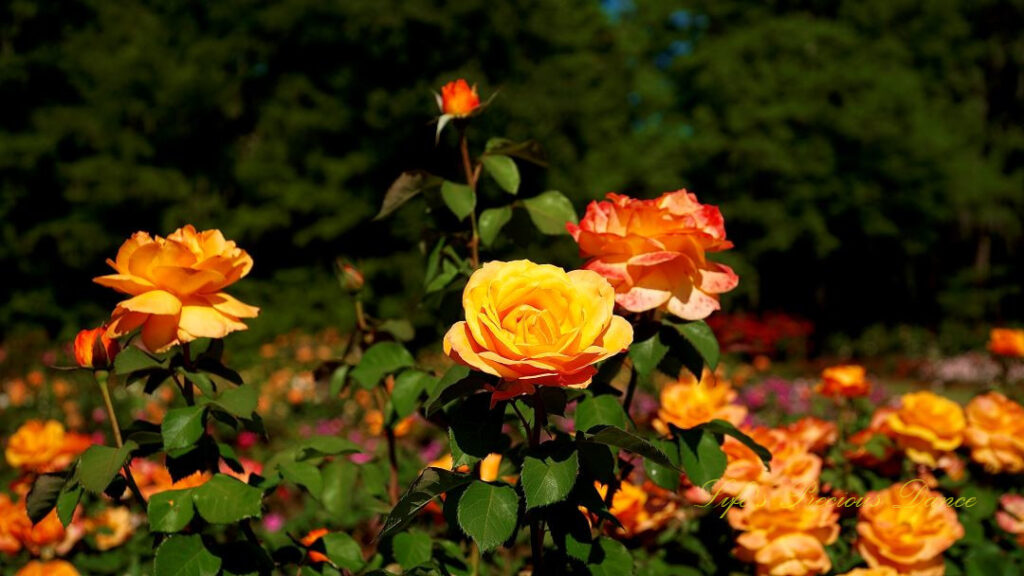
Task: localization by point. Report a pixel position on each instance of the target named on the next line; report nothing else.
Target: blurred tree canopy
(867, 154)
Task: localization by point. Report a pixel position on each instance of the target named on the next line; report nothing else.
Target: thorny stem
(471, 178)
(536, 524)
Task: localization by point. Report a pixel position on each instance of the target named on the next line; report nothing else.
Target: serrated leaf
(185, 556)
(67, 502)
(550, 211)
(170, 511)
(405, 188)
(503, 170)
(241, 401)
(99, 465)
(488, 513)
(459, 198)
(412, 548)
(667, 478)
(182, 427)
(491, 222)
(646, 354)
(599, 410)
(409, 385)
(430, 484)
(701, 338)
(134, 359)
(700, 456)
(619, 438)
(225, 500)
(379, 360)
(548, 480)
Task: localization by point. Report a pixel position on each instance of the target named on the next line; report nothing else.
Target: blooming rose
(995, 433)
(13, 523)
(785, 533)
(48, 568)
(47, 533)
(844, 382)
(42, 447)
(1006, 342)
(94, 349)
(458, 99)
(654, 252)
(814, 433)
(688, 403)
(177, 284)
(1011, 517)
(536, 325)
(926, 426)
(907, 527)
(880, 571)
(640, 508)
(111, 527)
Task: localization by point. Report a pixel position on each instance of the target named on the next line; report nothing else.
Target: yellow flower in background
(907, 527)
(687, 403)
(927, 426)
(49, 568)
(176, 286)
(40, 446)
(536, 325)
(111, 527)
(1006, 342)
(849, 381)
(995, 433)
(640, 508)
(13, 523)
(785, 532)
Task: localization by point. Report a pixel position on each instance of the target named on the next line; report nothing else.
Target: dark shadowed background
(867, 155)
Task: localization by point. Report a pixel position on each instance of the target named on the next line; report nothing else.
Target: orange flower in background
(13, 523)
(312, 538)
(654, 252)
(176, 286)
(489, 467)
(1006, 342)
(458, 99)
(94, 349)
(536, 325)
(640, 508)
(112, 527)
(44, 446)
(814, 433)
(49, 568)
(880, 571)
(1011, 517)
(785, 532)
(687, 403)
(995, 433)
(793, 465)
(926, 426)
(48, 533)
(849, 381)
(907, 527)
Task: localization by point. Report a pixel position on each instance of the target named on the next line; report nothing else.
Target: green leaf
(703, 340)
(459, 198)
(316, 446)
(133, 359)
(503, 170)
(170, 511)
(724, 428)
(549, 480)
(338, 380)
(647, 354)
(529, 150)
(488, 513)
(599, 410)
(476, 429)
(619, 438)
(405, 188)
(42, 498)
(492, 221)
(409, 385)
(241, 401)
(225, 500)
(430, 484)
(412, 548)
(99, 465)
(609, 558)
(339, 481)
(185, 556)
(182, 427)
(550, 211)
(303, 474)
(379, 360)
(67, 502)
(400, 328)
(700, 455)
(343, 551)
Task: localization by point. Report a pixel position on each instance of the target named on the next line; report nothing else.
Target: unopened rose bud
(351, 278)
(94, 349)
(458, 99)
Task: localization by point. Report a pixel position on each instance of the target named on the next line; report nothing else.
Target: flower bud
(458, 99)
(351, 278)
(94, 349)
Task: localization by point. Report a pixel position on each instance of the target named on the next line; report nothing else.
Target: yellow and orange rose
(995, 433)
(640, 508)
(926, 426)
(907, 527)
(458, 99)
(44, 446)
(536, 325)
(687, 403)
(177, 287)
(13, 523)
(1006, 342)
(655, 252)
(849, 381)
(48, 568)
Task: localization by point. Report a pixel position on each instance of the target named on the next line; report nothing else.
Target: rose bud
(351, 278)
(458, 99)
(94, 349)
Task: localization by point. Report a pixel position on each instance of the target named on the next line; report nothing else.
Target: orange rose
(1011, 517)
(793, 465)
(1006, 342)
(926, 426)
(112, 527)
(13, 523)
(881, 571)
(458, 99)
(48, 533)
(49, 568)
(536, 325)
(312, 538)
(654, 252)
(177, 284)
(94, 349)
(35, 445)
(688, 403)
(907, 527)
(640, 508)
(844, 382)
(995, 433)
(814, 433)
(785, 532)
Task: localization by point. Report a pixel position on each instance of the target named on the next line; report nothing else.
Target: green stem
(471, 178)
(536, 523)
(118, 439)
